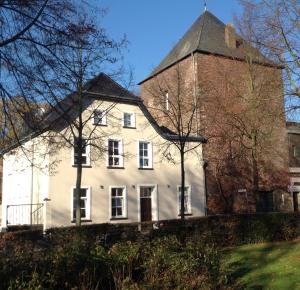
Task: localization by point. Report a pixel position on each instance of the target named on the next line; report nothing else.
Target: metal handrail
(24, 214)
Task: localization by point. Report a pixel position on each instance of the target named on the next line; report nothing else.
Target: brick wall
(221, 86)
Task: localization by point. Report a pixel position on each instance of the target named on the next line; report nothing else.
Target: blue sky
(154, 26)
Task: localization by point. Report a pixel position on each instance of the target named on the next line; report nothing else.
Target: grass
(265, 266)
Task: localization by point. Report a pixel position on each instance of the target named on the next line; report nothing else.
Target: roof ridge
(200, 32)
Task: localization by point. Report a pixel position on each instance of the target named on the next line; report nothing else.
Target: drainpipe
(205, 164)
(31, 189)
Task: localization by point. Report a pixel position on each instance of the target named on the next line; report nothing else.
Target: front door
(145, 203)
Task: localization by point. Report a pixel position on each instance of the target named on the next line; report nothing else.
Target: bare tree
(273, 27)
(69, 97)
(175, 105)
(30, 34)
(59, 73)
(245, 119)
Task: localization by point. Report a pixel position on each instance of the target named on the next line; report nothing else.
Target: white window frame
(132, 114)
(167, 105)
(103, 119)
(121, 154)
(87, 155)
(150, 154)
(88, 203)
(189, 210)
(125, 213)
(154, 201)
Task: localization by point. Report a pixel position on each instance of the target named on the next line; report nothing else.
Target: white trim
(103, 120)
(189, 211)
(295, 169)
(167, 101)
(133, 123)
(121, 152)
(125, 205)
(154, 201)
(88, 203)
(150, 154)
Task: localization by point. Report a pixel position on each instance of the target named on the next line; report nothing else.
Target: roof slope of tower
(206, 35)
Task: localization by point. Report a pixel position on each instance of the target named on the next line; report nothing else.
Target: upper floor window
(129, 120)
(145, 154)
(187, 199)
(85, 154)
(84, 203)
(118, 202)
(115, 153)
(99, 117)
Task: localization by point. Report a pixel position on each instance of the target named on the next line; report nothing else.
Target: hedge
(224, 230)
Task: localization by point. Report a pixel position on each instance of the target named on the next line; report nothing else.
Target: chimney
(230, 36)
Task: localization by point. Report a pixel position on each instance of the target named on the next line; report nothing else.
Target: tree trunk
(255, 173)
(78, 181)
(182, 184)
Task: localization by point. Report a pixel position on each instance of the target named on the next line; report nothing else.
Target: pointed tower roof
(206, 35)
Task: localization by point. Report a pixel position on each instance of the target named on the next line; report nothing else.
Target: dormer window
(128, 120)
(99, 117)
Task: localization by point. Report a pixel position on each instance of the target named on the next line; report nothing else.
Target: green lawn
(265, 266)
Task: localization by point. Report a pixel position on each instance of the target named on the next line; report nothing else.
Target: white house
(135, 177)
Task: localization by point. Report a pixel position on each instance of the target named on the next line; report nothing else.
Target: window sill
(101, 125)
(127, 127)
(118, 218)
(186, 214)
(145, 168)
(115, 167)
(83, 166)
(83, 221)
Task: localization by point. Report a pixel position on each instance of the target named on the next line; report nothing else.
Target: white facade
(135, 178)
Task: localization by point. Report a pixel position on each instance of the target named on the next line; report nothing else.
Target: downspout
(31, 189)
(205, 164)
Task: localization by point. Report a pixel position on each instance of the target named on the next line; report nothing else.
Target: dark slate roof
(101, 85)
(206, 35)
(108, 87)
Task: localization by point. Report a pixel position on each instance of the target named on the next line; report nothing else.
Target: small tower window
(167, 100)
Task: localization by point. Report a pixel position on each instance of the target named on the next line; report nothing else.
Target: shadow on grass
(265, 266)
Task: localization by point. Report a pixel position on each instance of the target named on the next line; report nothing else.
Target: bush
(179, 255)
(163, 263)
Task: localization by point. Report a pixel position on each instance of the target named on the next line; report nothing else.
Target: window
(118, 202)
(129, 120)
(145, 154)
(84, 203)
(85, 153)
(167, 100)
(115, 151)
(99, 117)
(187, 199)
(296, 151)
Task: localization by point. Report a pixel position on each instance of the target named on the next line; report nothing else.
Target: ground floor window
(118, 202)
(84, 203)
(187, 199)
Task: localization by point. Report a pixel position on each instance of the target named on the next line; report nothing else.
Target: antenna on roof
(205, 6)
